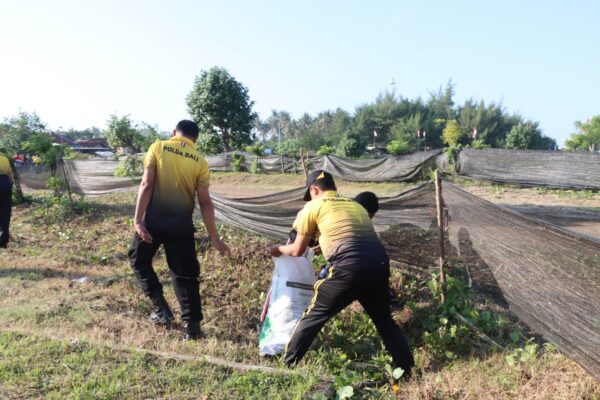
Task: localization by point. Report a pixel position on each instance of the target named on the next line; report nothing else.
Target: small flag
(474, 133)
(374, 133)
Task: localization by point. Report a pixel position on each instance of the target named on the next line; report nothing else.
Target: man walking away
(174, 174)
(359, 269)
(6, 183)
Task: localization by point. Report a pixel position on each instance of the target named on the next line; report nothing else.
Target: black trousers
(367, 283)
(5, 208)
(183, 266)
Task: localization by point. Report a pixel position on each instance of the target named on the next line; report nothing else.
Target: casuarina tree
(219, 104)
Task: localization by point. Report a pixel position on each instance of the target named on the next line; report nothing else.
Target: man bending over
(360, 269)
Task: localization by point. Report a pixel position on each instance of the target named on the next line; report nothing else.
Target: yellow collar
(184, 139)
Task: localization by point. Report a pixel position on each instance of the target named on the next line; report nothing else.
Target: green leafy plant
(257, 149)
(452, 153)
(325, 150)
(237, 161)
(479, 144)
(445, 334)
(131, 166)
(452, 133)
(521, 355)
(51, 155)
(397, 147)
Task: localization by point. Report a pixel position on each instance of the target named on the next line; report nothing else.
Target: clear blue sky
(76, 62)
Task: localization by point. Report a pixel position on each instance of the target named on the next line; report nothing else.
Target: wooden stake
(303, 164)
(62, 163)
(440, 221)
(282, 168)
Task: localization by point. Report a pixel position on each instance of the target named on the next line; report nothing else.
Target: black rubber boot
(192, 330)
(161, 314)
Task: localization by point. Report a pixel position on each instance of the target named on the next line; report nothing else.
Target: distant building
(93, 143)
(84, 146)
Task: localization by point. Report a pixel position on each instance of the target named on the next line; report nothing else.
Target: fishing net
(388, 168)
(556, 169)
(88, 177)
(550, 277)
(273, 215)
(270, 164)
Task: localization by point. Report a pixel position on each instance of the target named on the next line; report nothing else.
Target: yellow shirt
(180, 171)
(5, 168)
(337, 219)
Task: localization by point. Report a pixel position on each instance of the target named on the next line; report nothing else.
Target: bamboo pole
(234, 365)
(440, 221)
(303, 164)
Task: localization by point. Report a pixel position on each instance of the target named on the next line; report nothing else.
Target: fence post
(282, 168)
(440, 221)
(303, 164)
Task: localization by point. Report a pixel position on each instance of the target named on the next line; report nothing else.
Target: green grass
(36, 367)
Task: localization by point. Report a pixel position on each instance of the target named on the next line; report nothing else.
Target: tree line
(223, 109)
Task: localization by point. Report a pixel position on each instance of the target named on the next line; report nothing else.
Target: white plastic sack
(290, 294)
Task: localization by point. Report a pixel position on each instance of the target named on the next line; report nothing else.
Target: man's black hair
(188, 128)
(369, 201)
(324, 185)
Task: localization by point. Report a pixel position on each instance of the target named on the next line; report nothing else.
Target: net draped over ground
(380, 169)
(554, 169)
(548, 276)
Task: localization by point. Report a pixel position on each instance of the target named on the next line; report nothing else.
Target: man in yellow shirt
(360, 269)
(174, 174)
(6, 183)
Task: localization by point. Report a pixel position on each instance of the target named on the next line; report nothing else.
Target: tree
(15, 130)
(405, 131)
(51, 154)
(452, 133)
(528, 135)
(148, 135)
(587, 137)
(257, 149)
(290, 147)
(209, 143)
(220, 104)
(491, 122)
(325, 150)
(41, 144)
(397, 147)
(88, 133)
(121, 132)
(352, 145)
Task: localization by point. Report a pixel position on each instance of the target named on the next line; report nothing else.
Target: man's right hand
(143, 232)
